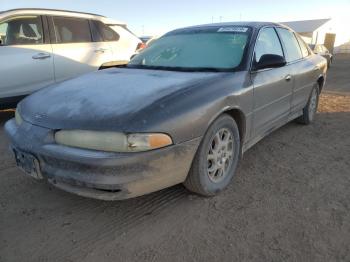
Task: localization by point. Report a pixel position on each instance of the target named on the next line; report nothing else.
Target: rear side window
(71, 30)
(304, 49)
(102, 32)
(291, 44)
(26, 30)
(267, 44)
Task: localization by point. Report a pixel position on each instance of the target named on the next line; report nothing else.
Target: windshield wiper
(178, 68)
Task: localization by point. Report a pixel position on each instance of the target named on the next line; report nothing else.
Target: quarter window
(267, 43)
(71, 30)
(103, 32)
(291, 44)
(304, 49)
(26, 30)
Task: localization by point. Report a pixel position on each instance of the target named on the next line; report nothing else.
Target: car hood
(106, 99)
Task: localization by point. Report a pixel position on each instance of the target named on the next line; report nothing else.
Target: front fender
(187, 114)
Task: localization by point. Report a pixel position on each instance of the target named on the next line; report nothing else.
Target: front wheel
(310, 109)
(216, 159)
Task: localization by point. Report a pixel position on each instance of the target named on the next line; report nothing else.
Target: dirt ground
(289, 201)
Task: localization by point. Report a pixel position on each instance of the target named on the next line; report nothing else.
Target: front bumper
(102, 175)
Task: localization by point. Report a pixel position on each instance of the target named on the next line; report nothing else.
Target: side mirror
(270, 61)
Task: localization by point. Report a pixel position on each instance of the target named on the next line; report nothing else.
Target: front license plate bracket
(28, 163)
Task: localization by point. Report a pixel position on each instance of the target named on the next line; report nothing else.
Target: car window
(26, 30)
(291, 44)
(303, 47)
(267, 43)
(102, 32)
(3, 30)
(71, 30)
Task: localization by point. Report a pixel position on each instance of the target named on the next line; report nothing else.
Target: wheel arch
(240, 119)
(238, 115)
(320, 82)
(112, 64)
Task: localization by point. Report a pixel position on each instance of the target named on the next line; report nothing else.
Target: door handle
(41, 56)
(316, 68)
(101, 50)
(288, 78)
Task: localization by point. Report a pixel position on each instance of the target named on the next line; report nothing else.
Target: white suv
(39, 47)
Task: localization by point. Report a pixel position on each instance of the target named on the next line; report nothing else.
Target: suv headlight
(112, 141)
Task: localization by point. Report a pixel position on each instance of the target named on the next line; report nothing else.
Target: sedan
(183, 111)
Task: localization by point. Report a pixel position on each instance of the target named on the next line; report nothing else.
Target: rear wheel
(216, 159)
(310, 109)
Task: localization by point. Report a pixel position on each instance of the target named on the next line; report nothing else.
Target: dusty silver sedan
(182, 111)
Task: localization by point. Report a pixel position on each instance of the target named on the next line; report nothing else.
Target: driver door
(26, 58)
(273, 87)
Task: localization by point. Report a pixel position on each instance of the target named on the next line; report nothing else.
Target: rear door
(272, 87)
(26, 56)
(105, 38)
(74, 49)
(302, 68)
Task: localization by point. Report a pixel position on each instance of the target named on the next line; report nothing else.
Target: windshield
(218, 49)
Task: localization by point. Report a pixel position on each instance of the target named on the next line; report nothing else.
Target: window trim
(251, 69)
(294, 61)
(42, 28)
(92, 29)
(299, 39)
(46, 31)
(53, 31)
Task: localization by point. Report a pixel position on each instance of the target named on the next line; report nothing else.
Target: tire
(214, 152)
(309, 111)
(330, 62)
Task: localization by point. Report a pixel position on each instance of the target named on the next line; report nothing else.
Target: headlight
(112, 141)
(18, 118)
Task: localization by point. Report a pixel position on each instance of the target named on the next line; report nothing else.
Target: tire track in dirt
(135, 214)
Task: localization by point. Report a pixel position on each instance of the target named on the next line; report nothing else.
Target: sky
(155, 17)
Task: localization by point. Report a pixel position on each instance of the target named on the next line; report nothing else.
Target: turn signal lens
(148, 141)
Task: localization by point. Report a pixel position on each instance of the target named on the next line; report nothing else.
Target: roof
(248, 23)
(306, 26)
(44, 11)
(47, 9)
(254, 25)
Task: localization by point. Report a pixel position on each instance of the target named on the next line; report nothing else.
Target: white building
(330, 32)
(313, 31)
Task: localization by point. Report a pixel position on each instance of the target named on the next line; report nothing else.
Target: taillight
(140, 46)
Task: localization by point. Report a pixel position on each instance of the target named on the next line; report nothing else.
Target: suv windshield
(214, 49)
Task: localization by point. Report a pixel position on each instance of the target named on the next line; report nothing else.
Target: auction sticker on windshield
(233, 29)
